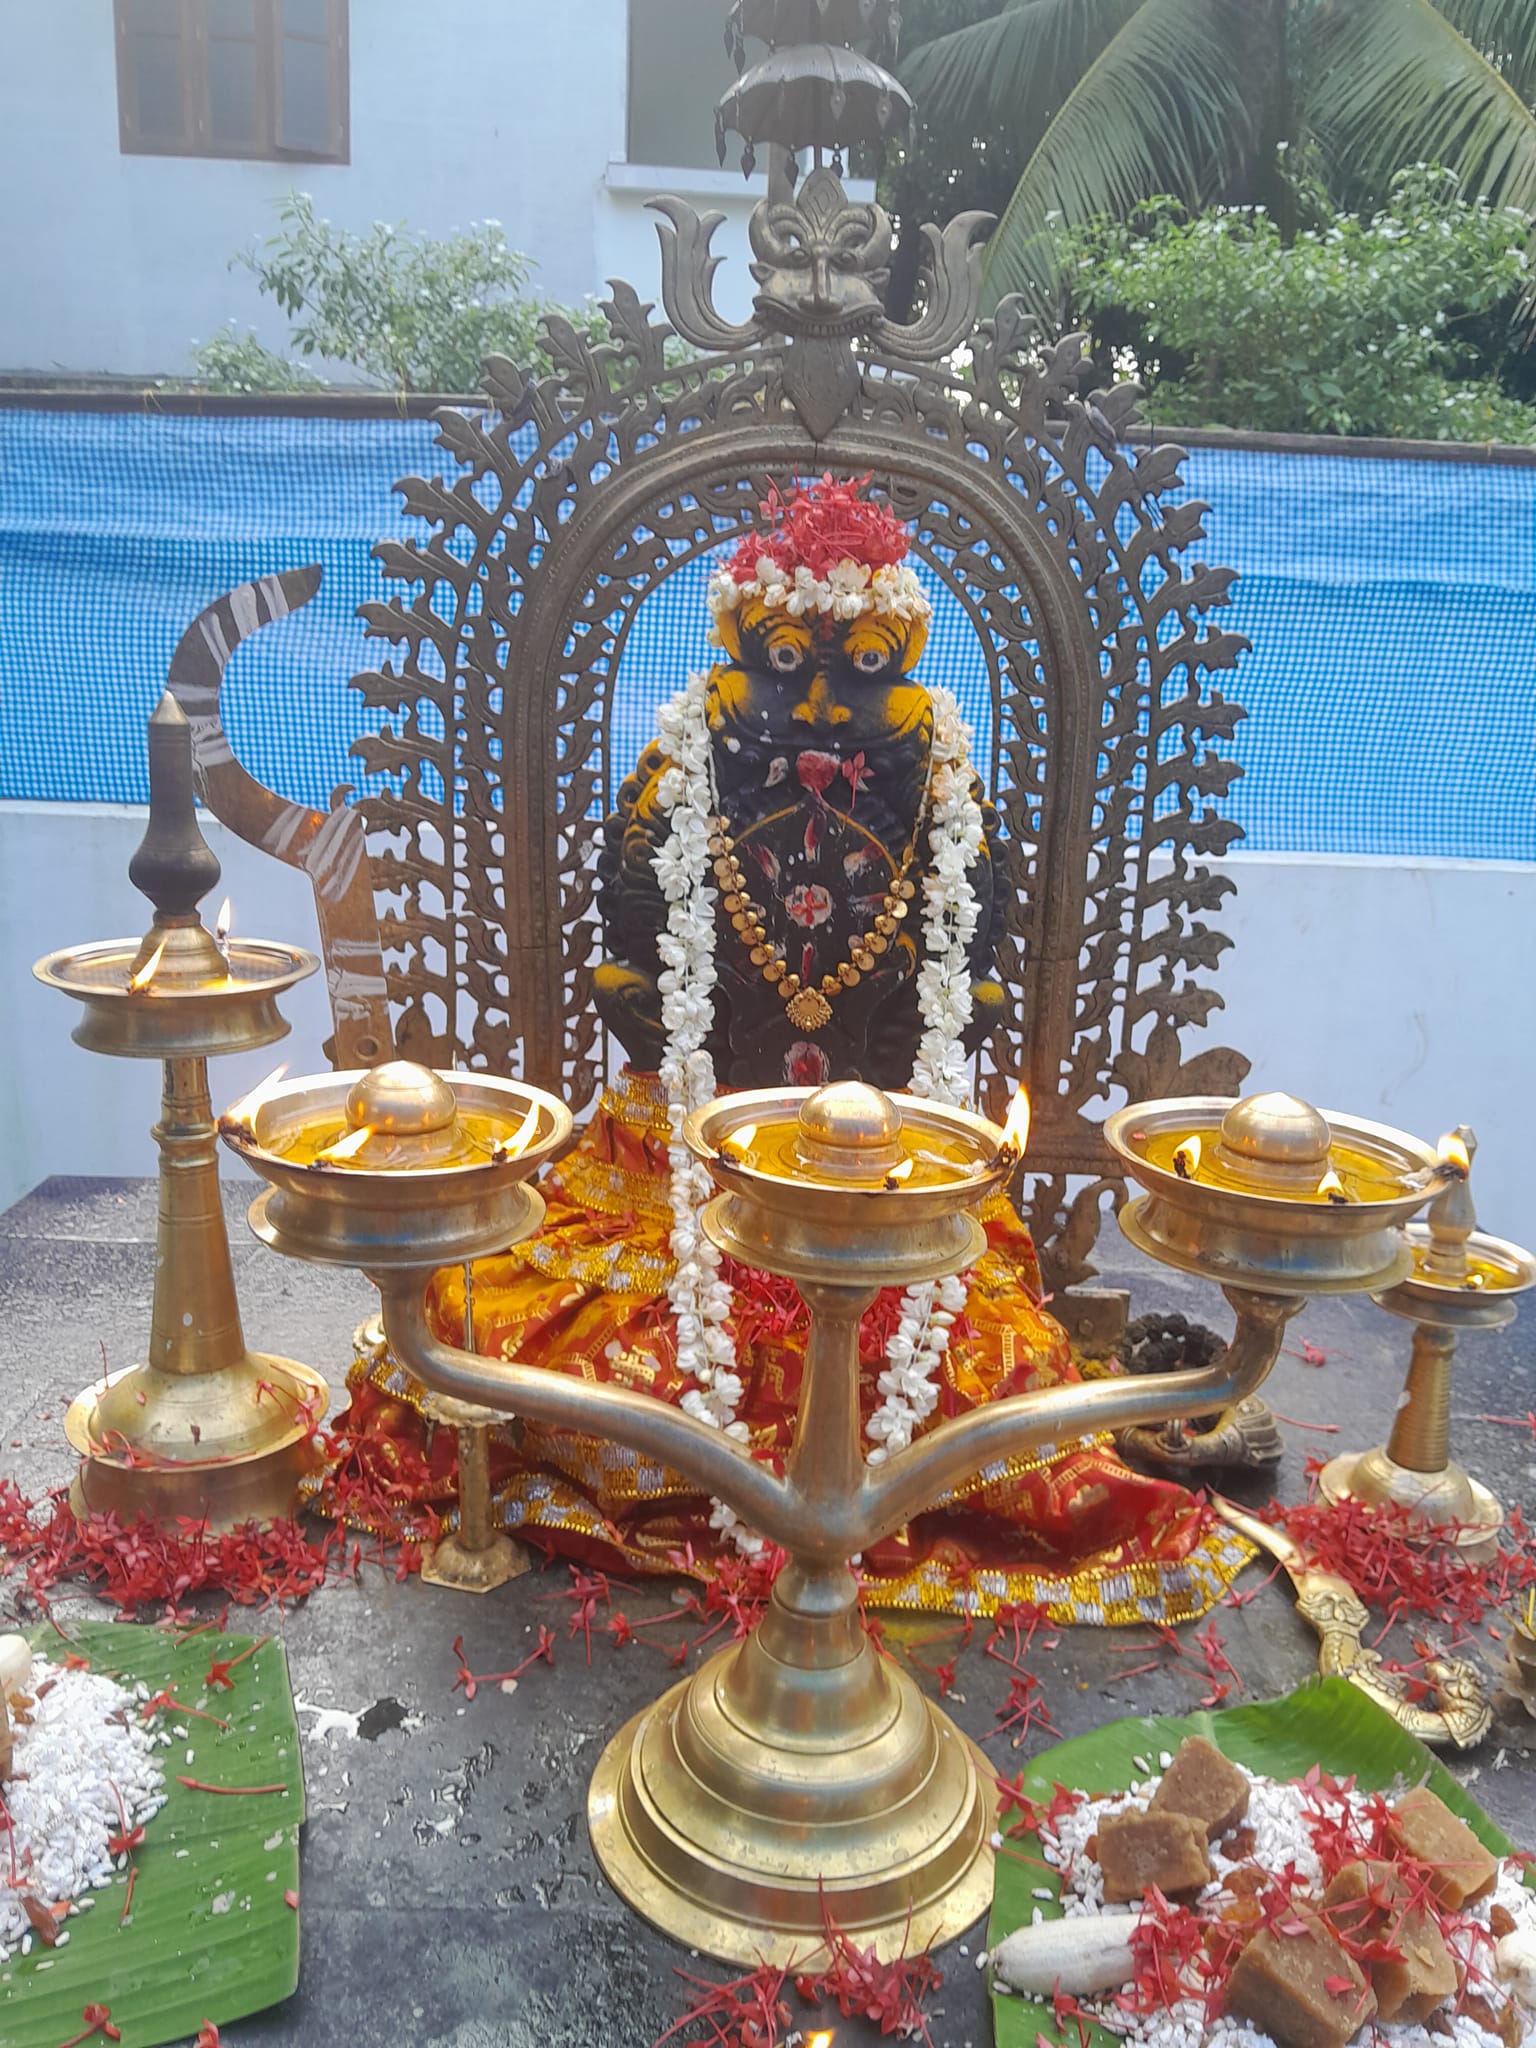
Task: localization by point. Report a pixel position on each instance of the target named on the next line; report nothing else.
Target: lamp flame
(1016, 1128)
(1454, 1155)
(901, 1172)
(147, 972)
(739, 1142)
(347, 1147)
(1331, 1188)
(1186, 1157)
(506, 1149)
(242, 1114)
(222, 923)
(822, 2038)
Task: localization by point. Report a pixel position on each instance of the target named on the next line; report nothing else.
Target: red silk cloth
(1068, 1526)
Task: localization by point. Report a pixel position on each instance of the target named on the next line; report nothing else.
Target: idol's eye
(870, 660)
(786, 657)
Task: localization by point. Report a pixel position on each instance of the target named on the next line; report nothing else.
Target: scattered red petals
(168, 1703)
(98, 2020)
(207, 2036)
(1218, 1664)
(221, 1667)
(145, 1564)
(291, 1900)
(1023, 1709)
(472, 1683)
(748, 2012)
(584, 1592)
(228, 1791)
(1402, 1569)
(892, 1994)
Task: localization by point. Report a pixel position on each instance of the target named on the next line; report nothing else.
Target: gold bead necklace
(808, 1008)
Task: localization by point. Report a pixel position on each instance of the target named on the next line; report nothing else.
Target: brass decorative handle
(1462, 1713)
(829, 1504)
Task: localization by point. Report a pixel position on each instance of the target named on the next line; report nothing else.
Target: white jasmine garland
(700, 1300)
(891, 591)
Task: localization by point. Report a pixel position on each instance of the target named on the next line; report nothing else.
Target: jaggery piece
(1409, 1989)
(1361, 1894)
(1202, 1782)
(1139, 1850)
(1459, 1868)
(1368, 1901)
(1281, 1982)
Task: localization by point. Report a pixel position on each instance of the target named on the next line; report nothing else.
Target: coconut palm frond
(1160, 109)
(1403, 84)
(1503, 31)
(1016, 68)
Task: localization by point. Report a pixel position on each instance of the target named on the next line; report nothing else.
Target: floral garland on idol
(700, 1299)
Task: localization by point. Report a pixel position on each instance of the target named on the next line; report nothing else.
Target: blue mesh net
(1391, 689)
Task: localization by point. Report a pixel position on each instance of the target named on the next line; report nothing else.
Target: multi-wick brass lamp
(202, 1427)
(798, 1771)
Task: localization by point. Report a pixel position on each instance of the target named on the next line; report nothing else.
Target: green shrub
(1403, 324)
(233, 361)
(401, 311)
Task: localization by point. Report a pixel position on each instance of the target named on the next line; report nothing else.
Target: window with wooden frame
(240, 78)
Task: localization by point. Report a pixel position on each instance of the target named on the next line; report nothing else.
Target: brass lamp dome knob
(852, 1129)
(1276, 1130)
(402, 1098)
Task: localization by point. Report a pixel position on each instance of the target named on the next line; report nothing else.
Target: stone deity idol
(799, 884)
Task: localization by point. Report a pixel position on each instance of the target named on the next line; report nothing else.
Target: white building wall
(1386, 988)
(513, 110)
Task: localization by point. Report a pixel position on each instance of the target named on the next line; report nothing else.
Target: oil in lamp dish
(798, 1772)
(1460, 1279)
(202, 1427)
(1270, 1189)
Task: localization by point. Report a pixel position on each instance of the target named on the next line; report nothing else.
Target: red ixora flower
(809, 904)
(824, 523)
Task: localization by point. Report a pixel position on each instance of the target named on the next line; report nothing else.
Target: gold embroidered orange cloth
(1070, 1528)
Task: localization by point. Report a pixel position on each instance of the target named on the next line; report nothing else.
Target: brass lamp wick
(1452, 1215)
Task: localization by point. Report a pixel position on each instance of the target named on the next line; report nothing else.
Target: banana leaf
(1328, 1722)
(210, 1934)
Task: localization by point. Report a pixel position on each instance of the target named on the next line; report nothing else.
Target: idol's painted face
(832, 678)
(872, 648)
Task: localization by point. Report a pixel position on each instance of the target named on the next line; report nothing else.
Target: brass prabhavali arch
(583, 488)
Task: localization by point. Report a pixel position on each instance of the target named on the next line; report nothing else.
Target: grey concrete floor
(450, 1898)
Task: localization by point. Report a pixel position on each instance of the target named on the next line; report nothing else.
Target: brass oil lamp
(436, 1160)
(798, 1771)
(201, 1427)
(1461, 1279)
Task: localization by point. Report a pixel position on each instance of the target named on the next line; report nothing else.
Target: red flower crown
(823, 524)
(827, 552)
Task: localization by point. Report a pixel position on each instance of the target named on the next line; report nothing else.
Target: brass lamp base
(1449, 1503)
(213, 1447)
(797, 1775)
(474, 1571)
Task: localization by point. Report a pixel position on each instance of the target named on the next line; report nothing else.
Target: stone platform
(450, 1899)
